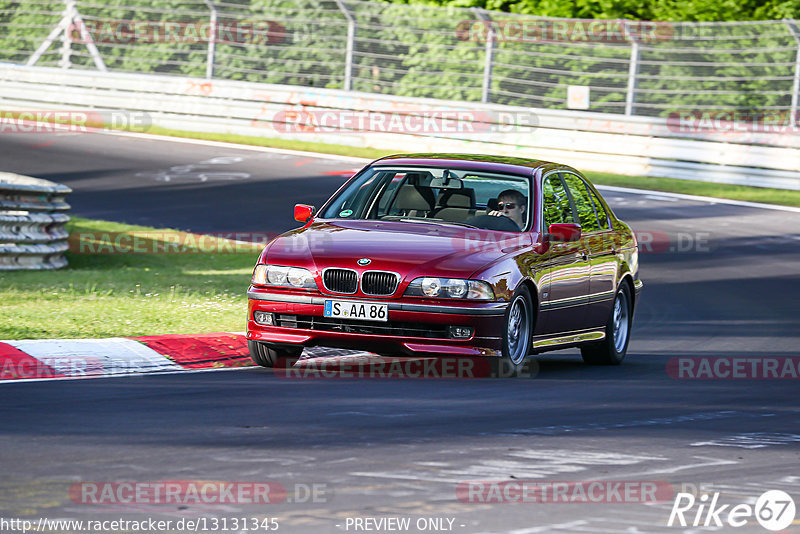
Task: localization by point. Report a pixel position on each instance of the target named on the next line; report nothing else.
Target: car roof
(478, 162)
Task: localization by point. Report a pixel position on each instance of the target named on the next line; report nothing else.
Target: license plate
(353, 309)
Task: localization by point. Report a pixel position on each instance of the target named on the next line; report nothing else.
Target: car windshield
(436, 196)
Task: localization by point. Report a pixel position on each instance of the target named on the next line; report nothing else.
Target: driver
(512, 204)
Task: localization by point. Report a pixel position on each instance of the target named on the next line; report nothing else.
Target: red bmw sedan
(450, 254)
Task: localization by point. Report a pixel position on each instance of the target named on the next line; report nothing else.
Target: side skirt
(565, 340)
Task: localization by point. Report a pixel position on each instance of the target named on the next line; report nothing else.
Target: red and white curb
(48, 359)
(89, 358)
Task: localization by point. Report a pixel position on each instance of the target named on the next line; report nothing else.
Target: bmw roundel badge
(364, 261)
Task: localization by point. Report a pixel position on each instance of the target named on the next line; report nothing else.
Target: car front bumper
(414, 326)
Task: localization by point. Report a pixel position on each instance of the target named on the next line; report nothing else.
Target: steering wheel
(490, 222)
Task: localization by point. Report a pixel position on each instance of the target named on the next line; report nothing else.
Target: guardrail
(648, 146)
(32, 219)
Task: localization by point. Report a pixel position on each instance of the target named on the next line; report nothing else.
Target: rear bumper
(487, 319)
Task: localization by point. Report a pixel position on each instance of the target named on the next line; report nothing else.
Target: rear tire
(612, 349)
(267, 356)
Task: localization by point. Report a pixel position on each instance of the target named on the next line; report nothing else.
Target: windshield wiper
(405, 218)
(436, 221)
(453, 223)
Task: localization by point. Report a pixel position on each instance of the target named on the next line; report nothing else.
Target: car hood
(408, 248)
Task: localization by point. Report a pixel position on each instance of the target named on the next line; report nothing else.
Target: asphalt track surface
(722, 282)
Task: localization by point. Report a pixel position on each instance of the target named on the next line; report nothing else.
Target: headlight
(456, 288)
(279, 275)
(276, 275)
(431, 287)
(453, 288)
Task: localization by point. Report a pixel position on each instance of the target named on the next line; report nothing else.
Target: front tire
(267, 356)
(517, 331)
(612, 349)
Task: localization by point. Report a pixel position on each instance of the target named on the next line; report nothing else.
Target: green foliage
(25, 27)
(405, 51)
(438, 49)
(666, 10)
(306, 46)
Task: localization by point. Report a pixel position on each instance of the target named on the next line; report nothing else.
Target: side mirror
(565, 232)
(303, 212)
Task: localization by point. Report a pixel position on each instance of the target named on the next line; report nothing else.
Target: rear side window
(555, 202)
(583, 202)
(602, 216)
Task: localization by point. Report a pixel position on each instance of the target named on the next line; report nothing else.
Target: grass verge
(176, 289)
(781, 197)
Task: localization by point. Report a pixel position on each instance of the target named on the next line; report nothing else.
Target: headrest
(458, 198)
(412, 198)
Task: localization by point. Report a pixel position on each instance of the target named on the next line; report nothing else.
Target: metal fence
(624, 67)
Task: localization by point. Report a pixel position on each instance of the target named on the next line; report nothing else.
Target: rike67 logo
(774, 510)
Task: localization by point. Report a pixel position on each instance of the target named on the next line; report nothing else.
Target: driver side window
(555, 202)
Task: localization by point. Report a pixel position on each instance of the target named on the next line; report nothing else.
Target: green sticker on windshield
(345, 213)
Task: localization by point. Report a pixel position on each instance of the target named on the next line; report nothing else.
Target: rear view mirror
(303, 212)
(447, 181)
(564, 232)
(452, 183)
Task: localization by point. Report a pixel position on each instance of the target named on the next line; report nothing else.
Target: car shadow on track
(558, 365)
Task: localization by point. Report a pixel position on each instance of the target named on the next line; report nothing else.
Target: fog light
(460, 332)
(264, 318)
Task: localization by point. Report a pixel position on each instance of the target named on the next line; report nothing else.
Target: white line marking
(184, 371)
(525, 465)
(712, 462)
(677, 419)
(547, 528)
(710, 200)
(661, 198)
(236, 146)
(751, 440)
